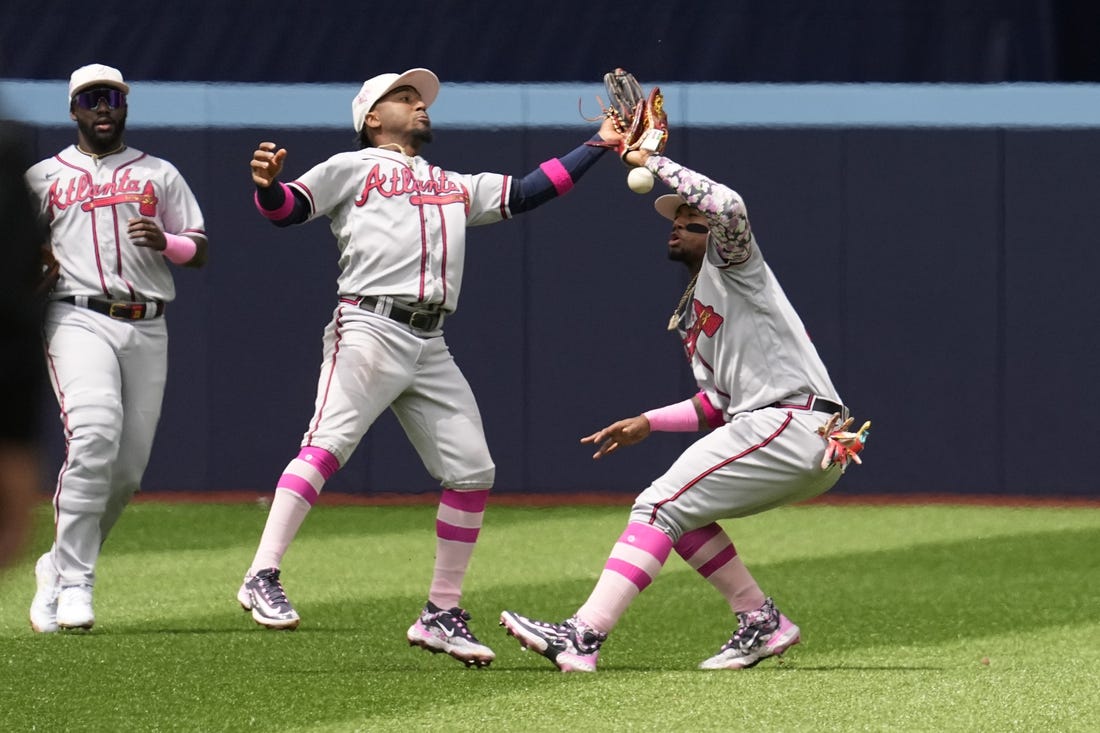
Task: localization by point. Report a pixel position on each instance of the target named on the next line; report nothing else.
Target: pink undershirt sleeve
(283, 211)
(678, 418)
(178, 248)
(683, 417)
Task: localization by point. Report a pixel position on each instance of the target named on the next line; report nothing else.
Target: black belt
(418, 319)
(119, 309)
(815, 404)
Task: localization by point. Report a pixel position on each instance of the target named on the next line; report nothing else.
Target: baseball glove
(842, 446)
(51, 271)
(641, 119)
(623, 92)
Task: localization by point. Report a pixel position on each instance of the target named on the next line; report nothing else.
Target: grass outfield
(898, 608)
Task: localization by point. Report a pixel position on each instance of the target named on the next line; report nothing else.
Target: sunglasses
(116, 98)
(696, 228)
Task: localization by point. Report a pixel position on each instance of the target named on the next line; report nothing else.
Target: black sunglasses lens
(116, 98)
(696, 228)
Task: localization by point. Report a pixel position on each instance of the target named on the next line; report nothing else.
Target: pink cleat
(760, 634)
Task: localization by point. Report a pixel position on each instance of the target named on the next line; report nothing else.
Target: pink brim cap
(423, 80)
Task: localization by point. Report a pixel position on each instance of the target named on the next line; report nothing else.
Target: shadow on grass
(922, 596)
(914, 596)
(861, 614)
(196, 526)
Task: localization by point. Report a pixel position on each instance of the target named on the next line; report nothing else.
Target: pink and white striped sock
(457, 525)
(635, 560)
(295, 494)
(711, 552)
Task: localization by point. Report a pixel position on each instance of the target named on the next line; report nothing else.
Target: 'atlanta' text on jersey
(403, 182)
(81, 188)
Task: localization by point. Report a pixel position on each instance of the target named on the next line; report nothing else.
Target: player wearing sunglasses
(118, 218)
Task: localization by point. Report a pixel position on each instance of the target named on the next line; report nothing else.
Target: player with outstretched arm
(777, 434)
(400, 225)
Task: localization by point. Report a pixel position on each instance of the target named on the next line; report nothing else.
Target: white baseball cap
(94, 75)
(423, 80)
(668, 205)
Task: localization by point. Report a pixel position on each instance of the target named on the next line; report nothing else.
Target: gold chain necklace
(100, 156)
(674, 320)
(398, 149)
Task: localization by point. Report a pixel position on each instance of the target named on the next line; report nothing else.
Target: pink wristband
(558, 175)
(283, 211)
(678, 418)
(179, 249)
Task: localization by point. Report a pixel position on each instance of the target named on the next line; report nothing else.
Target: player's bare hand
(267, 164)
(636, 158)
(619, 435)
(145, 233)
(609, 131)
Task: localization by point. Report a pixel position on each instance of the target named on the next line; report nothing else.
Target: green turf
(898, 606)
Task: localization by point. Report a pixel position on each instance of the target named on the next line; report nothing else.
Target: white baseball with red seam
(640, 180)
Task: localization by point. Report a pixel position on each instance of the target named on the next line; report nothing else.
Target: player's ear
(372, 120)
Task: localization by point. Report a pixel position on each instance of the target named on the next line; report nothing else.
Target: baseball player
(777, 434)
(400, 225)
(117, 218)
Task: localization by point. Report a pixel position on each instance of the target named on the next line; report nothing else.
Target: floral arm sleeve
(721, 205)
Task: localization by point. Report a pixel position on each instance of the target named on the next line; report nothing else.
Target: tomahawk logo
(707, 322)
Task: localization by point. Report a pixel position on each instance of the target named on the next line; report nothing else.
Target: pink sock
(457, 525)
(635, 560)
(711, 552)
(295, 494)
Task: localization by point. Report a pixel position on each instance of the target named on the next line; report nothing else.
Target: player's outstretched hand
(267, 164)
(611, 132)
(619, 435)
(636, 158)
(145, 233)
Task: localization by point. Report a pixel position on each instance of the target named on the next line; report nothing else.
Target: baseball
(640, 180)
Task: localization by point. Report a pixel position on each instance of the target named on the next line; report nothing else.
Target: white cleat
(44, 605)
(74, 607)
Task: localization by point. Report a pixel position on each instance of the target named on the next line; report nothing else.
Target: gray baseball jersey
(747, 346)
(751, 354)
(400, 226)
(108, 374)
(380, 201)
(88, 200)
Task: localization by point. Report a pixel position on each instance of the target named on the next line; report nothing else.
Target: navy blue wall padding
(946, 276)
